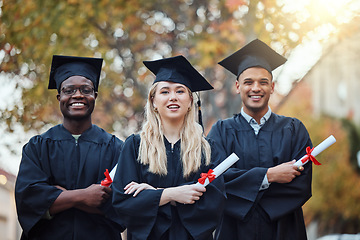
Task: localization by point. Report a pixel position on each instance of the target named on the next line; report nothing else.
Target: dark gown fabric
(142, 214)
(274, 213)
(54, 158)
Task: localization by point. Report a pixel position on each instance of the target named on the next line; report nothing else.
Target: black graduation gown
(274, 213)
(54, 158)
(143, 216)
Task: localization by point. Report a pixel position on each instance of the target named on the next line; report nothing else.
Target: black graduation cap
(254, 54)
(63, 67)
(178, 70)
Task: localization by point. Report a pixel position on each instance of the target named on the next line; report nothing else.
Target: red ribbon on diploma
(208, 175)
(107, 181)
(310, 157)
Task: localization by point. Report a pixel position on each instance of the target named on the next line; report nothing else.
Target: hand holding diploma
(312, 153)
(208, 177)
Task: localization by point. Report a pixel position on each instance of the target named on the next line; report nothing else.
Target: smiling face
(172, 101)
(78, 106)
(255, 87)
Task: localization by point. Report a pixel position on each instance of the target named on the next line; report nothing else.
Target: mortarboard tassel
(200, 115)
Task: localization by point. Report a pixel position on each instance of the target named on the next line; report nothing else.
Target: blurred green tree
(125, 33)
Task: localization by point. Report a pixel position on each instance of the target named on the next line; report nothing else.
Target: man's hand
(95, 195)
(86, 199)
(283, 173)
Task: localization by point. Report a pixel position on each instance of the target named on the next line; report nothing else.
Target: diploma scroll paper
(318, 149)
(222, 167)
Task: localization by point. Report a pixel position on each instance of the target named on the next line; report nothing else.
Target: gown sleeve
(242, 186)
(139, 213)
(242, 189)
(33, 193)
(201, 218)
(281, 199)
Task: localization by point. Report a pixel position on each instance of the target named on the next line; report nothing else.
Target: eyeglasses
(84, 90)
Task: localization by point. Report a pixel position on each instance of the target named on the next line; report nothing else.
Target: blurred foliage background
(127, 32)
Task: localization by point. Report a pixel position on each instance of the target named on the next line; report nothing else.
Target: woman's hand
(186, 194)
(136, 188)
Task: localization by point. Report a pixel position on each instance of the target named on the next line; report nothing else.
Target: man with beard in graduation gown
(167, 204)
(58, 192)
(265, 191)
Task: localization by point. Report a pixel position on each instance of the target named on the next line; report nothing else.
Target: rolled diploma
(112, 173)
(222, 167)
(318, 149)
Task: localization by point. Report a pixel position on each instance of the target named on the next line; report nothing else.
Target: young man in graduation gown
(265, 191)
(58, 192)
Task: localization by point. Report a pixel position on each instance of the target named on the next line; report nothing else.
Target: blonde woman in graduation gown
(154, 186)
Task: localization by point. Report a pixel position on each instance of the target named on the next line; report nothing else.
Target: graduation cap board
(63, 67)
(179, 70)
(254, 54)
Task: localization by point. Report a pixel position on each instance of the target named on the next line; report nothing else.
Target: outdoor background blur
(320, 84)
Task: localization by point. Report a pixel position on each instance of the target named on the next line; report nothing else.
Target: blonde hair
(152, 150)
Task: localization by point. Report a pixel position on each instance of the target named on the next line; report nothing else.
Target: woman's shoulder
(133, 139)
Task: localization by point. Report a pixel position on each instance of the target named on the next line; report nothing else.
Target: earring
(189, 109)
(155, 109)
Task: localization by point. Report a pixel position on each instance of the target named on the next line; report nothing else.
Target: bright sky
(11, 144)
(342, 10)
(300, 61)
(304, 56)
